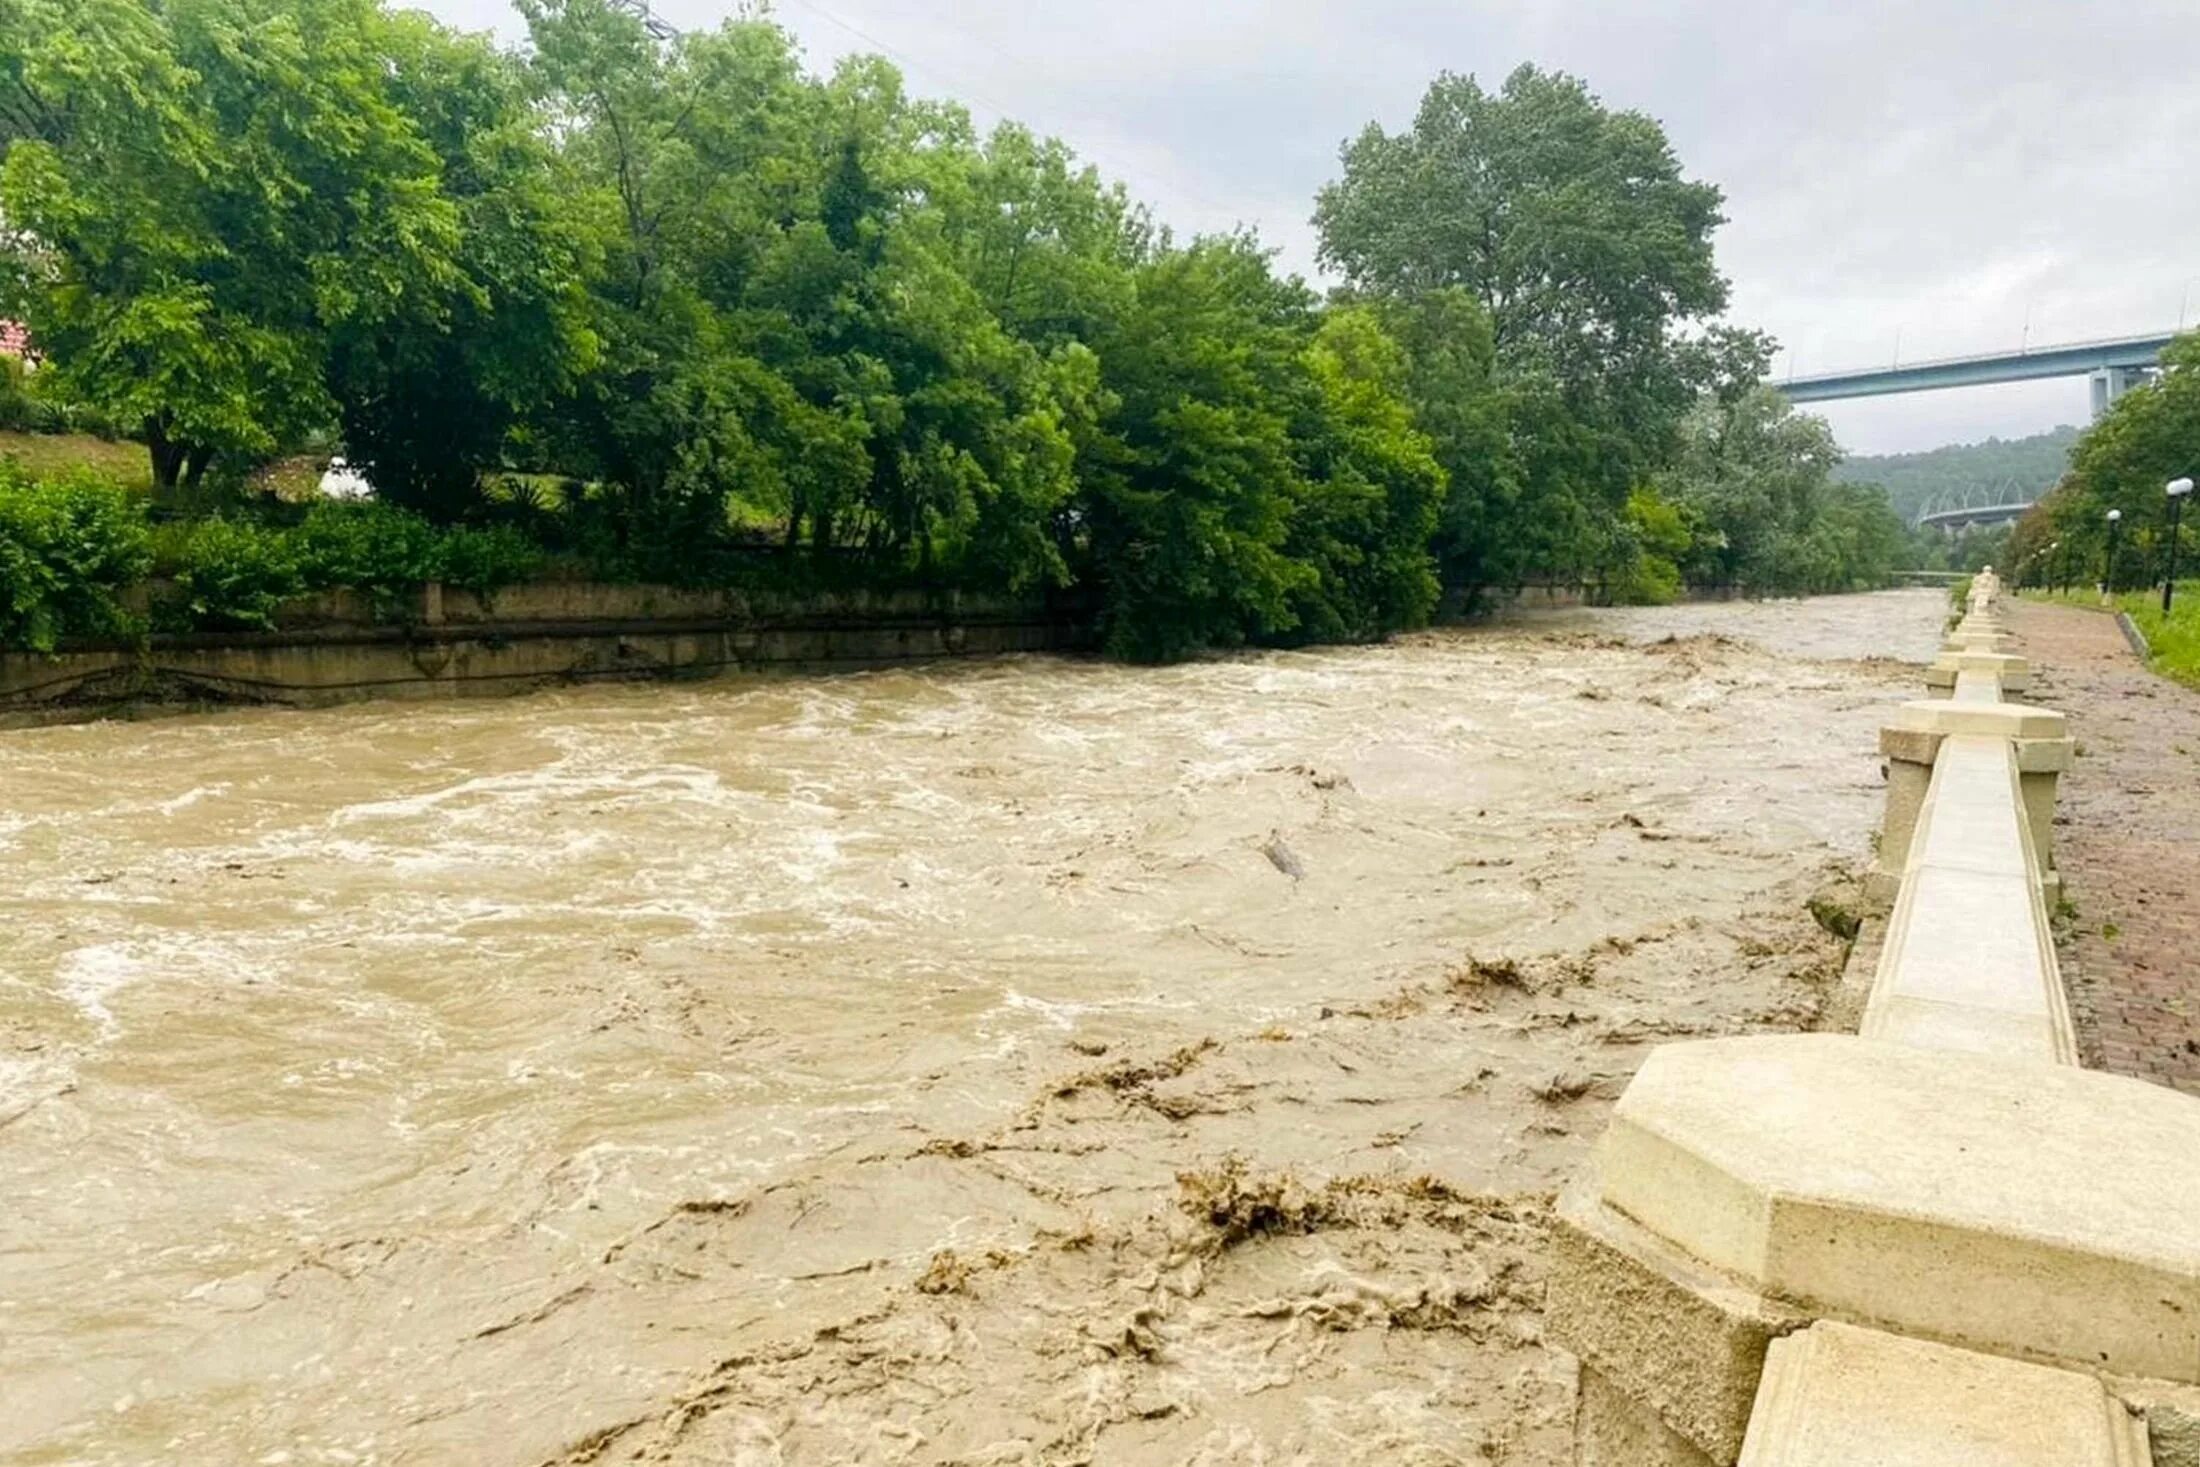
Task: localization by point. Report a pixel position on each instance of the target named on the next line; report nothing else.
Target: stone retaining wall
(1936, 1243)
(331, 648)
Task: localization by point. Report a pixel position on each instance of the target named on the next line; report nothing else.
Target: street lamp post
(2179, 491)
(2054, 564)
(2108, 571)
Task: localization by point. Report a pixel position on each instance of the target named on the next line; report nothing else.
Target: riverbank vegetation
(2123, 463)
(2173, 641)
(682, 311)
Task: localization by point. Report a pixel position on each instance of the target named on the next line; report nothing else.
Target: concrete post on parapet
(2012, 675)
(1836, 1395)
(2020, 1217)
(1978, 634)
(1910, 742)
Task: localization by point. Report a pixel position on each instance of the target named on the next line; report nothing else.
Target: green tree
(1571, 224)
(1371, 489)
(1648, 549)
(1190, 477)
(1485, 534)
(1587, 252)
(202, 193)
(802, 327)
(2149, 437)
(682, 168)
(428, 394)
(1757, 476)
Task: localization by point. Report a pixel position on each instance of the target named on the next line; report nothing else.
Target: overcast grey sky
(1918, 178)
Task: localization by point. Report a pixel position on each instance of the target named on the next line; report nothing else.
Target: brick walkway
(2128, 841)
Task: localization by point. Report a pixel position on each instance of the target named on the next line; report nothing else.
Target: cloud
(1937, 170)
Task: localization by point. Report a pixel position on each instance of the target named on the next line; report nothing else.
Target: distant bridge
(1952, 520)
(2115, 366)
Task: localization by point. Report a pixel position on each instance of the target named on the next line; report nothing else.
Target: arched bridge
(1963, 519)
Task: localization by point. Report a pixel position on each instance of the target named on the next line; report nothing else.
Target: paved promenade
(2129, 845)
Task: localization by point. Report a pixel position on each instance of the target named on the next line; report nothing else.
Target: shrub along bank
(80, 558)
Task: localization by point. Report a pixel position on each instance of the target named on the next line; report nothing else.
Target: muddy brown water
(1031, 1061)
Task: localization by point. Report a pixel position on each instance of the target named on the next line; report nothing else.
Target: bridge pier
(2110, 383)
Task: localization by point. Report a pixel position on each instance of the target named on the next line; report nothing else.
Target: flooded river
(1027, 1061)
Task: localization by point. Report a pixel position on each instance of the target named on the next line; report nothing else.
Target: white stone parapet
(2011, 674)
(2039, 743)
(1968, 962)
(1955, 1197)
(1939, 1243)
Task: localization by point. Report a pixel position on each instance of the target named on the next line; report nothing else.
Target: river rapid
(1019, 1061)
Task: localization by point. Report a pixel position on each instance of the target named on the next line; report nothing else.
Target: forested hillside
(2022, 469)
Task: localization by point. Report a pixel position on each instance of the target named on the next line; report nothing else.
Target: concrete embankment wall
(332, 648)
(1937, 1241)
(1552, 596)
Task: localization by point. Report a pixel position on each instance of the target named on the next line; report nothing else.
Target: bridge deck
(1984, 515)
(2076, 359)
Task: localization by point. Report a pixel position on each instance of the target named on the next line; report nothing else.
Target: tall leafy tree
(1756, 476)
(428, 393)
(1371, 488)
(1191, 477)
(1572, 224)
(1588, 253)
(681, 168)
(202, 194)
(2149, 437)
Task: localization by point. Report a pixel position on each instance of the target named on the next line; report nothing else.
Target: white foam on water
(819, 855)
(1063, 1016)
(88, 976)
(553, 779)
(191, 797)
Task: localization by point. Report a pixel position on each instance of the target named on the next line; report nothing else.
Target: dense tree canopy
(2148, 438)
(684, 310)
(208, 193)
(1587, 251)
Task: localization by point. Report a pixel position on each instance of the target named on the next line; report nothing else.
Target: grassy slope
(2176, 641)
(45, 454)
